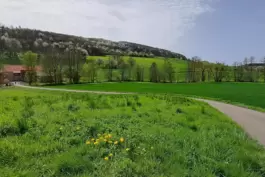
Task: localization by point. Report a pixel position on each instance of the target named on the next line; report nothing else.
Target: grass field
(45, 133)
(251, 94)
(179, 65)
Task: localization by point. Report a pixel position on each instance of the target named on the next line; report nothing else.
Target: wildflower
(87, 142)
(127, 149)
(110, 142)
(92, 139)
(121, 140)
(105, 140)
(106, 158)
(96, 143)
(110, 155)
(116, 142)
(109, 135)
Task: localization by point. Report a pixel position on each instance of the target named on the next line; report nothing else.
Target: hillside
(36, 40)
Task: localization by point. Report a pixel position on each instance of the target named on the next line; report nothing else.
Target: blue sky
(215, 30)
(235, 30)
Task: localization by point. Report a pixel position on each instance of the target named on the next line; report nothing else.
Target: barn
(13, 73)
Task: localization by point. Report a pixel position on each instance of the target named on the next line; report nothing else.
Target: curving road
(252, 121)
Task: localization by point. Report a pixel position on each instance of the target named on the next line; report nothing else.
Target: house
(13, 73)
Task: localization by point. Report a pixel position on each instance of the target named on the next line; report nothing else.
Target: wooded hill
(23, 39)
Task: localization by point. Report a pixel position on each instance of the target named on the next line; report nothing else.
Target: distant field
(179, 65)
(44, 133)
(252, 94)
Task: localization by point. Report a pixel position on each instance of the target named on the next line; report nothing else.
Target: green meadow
(45, 133)
(249, 94)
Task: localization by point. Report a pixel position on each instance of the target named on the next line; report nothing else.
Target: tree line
(247, 71)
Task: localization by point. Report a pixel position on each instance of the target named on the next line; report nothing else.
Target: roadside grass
(46, 133)
(250, 95)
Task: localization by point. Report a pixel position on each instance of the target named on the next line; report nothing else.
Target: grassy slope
(146, 62)
(44, 133)
(179, 65)
(252, 94)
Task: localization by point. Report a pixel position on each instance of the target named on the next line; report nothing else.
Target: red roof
(17, 68)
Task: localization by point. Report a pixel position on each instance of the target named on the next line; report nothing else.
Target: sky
(215, 30)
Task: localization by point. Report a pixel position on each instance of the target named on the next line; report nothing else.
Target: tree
(90, 70)
(218, 72)
(139, 73)
(29, 60)
(132, 64)
(251, 77)
(263, 62)
(75, 57)
(154, 73)
(123, 67)
(52, 64)
(169, 71)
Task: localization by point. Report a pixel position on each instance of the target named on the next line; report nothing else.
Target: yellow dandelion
(105, 140)
(121, 140)
(92, 139)
(110, 142)
(127, 149)
(96, 143)
(116, 142)
(109, 135)
(106, 158)
(110, 155)
(88, 142)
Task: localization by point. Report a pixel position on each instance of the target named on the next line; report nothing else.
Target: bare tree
(218, 72)
(263, 62)
(251, 75)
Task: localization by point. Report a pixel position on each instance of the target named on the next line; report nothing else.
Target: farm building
(13, 73)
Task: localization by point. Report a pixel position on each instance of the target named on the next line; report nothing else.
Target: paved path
(252, 121)
(71, 90)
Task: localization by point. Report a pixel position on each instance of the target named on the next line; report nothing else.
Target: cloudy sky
(215, 30)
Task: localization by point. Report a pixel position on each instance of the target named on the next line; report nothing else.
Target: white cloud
(153, 22)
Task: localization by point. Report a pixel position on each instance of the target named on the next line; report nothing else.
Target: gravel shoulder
(253, 122)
